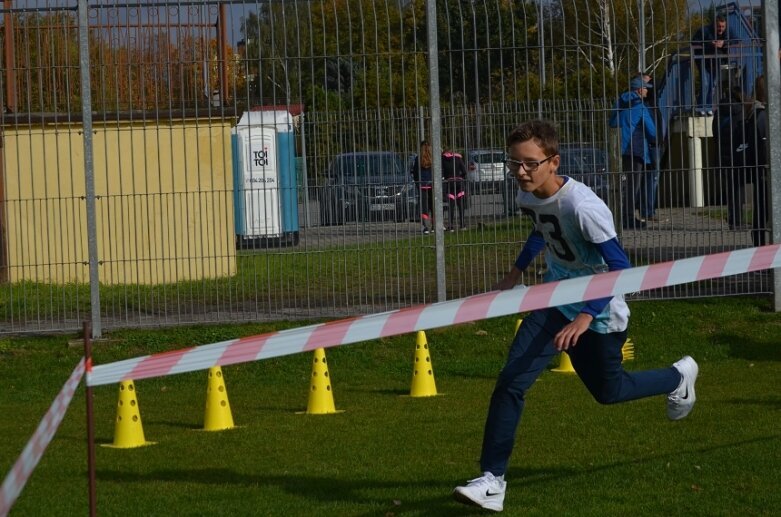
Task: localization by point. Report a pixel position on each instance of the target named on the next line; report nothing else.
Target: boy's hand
(569, 335)
(508, 282)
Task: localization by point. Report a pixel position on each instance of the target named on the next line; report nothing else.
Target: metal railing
(138, 191)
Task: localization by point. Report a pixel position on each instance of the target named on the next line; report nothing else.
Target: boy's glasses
(528, 166)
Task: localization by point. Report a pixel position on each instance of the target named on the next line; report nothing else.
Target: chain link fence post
(89, 167)
(773, 86)
(436, 144)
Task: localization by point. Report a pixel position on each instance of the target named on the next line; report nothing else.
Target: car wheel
(325, 216)
(413, 211)
(401, 213)
(362, 213)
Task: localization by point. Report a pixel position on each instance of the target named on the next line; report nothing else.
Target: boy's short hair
(543, 133)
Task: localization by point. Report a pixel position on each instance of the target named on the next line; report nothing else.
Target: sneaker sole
(465, 499)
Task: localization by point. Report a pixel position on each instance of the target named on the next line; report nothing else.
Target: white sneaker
(486, 492)
(681, 401)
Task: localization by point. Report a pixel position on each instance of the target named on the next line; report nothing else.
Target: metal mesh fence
(253, 160)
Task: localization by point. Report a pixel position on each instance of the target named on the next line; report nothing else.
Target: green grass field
(389, 454)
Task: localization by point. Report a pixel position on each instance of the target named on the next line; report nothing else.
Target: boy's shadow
(320, 489)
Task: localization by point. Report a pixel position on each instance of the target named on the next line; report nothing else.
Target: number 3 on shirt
(557, 244)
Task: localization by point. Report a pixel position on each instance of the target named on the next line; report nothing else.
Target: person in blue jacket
(638, 134)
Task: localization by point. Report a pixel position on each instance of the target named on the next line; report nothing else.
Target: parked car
(367, 186)
(583, 163)
(587, 165)
(485, 169)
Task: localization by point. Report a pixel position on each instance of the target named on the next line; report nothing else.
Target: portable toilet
(264, 179)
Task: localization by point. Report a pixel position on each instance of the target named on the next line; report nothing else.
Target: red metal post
(10, 53)
(90, 421)
(222, 42)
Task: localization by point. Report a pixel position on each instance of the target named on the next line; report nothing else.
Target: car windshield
(370, 165)
(582, 159)
(492, 157)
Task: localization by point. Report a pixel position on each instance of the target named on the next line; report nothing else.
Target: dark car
(368, 186)
(587, 165)
(583, 163)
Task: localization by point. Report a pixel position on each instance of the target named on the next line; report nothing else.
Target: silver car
(485, 169)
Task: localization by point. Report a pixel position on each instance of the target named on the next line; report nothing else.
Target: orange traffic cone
(321, 397)
(128, 430)
(423, 384)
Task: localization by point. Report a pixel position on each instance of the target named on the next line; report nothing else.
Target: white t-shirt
(572, 222)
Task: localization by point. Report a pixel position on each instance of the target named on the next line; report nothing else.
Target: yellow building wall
(164, 204)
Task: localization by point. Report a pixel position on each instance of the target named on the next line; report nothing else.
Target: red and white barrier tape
(423, 317)
(31, 455)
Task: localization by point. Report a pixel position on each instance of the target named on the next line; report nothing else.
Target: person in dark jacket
(728, 128)
(422, 174)
(638, 134)
(753, 153)
(711, 46)
(454, 177)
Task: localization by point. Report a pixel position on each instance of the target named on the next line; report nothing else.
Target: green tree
(488, 50)
(356, 54)
(604, 38)
(45, 61)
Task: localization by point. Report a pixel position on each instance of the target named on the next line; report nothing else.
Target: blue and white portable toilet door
(263, 150)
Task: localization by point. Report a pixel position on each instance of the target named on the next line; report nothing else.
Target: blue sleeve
(616, 259)
(534, 245)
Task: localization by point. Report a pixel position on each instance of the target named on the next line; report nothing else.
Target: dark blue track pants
(596, 359)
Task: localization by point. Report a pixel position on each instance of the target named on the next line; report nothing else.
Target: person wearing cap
(650, 188)
(638, 134)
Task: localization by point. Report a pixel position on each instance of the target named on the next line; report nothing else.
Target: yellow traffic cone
(423, 384)
(128, 431)
(321, 397)
(628, 351)
(565, 365)
(218, 415)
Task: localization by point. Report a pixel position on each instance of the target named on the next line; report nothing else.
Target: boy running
(575, 228)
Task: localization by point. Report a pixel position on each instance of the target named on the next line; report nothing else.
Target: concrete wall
(164, 202)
